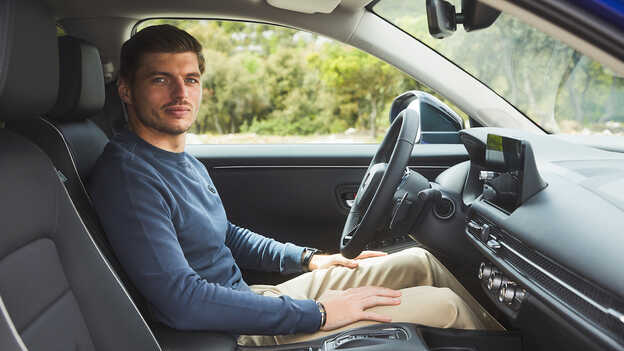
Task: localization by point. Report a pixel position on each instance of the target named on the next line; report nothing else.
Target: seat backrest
(73, 142)
(58, 290)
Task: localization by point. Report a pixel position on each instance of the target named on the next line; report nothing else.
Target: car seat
(59, 291)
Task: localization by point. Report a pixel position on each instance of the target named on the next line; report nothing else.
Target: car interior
(528, 224)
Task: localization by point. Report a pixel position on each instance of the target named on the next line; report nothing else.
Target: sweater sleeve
(253, 250)
(135, 210)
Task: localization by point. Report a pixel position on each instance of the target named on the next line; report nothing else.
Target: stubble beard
(154, 121)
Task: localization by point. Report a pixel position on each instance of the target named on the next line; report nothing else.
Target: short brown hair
(153, 39)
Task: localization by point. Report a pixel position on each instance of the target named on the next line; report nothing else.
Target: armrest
(181, 340)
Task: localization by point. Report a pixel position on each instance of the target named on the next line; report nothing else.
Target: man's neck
(167, 142)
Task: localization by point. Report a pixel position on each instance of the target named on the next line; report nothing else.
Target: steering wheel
(374, 195)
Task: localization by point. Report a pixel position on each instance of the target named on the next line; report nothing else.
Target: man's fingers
(350, 305)
(372, 316)
(369, 254)
(378, 290)
(376, 300)
(346, 262)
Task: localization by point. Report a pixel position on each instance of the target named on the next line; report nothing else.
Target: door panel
(296, 204)
(292, 193)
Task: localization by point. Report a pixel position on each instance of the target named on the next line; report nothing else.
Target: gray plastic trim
(607, 310)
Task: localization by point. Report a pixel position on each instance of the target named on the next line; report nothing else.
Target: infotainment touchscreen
(503, 154)
(505, 169)
(504, 158)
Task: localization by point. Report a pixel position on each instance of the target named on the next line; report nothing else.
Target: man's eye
(192, 80)
(158, 80)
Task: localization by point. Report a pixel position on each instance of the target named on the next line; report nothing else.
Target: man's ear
(125, 93)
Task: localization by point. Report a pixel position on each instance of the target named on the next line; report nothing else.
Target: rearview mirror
(477, 15)
(443, 19)
(439, 124)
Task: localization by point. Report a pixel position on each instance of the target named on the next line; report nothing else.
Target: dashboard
(550, 261)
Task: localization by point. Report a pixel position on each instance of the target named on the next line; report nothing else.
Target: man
(167, 225)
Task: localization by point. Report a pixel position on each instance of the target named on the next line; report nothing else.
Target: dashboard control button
(486, 270)
(510, 292)
(493, 244)
(496, 281)
(487, 175)
(506, 293)
(485, 233)
(474, 225)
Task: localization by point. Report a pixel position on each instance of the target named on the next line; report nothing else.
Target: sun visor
(306, 6)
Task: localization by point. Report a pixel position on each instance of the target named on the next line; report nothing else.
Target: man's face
(166, 92)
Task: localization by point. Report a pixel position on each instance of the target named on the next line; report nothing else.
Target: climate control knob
(495, 281)
(509, 292)
(486, 270)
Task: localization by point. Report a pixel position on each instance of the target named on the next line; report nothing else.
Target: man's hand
(326, 261)
(348, 306)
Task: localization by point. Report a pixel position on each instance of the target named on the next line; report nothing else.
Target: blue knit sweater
(168, 228)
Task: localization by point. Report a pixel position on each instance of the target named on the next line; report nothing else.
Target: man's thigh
(414, 271)
(408, 268)
(426, 305)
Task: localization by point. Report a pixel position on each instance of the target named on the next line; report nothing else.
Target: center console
(407, 336)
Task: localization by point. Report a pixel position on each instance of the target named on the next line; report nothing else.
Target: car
(526, 218)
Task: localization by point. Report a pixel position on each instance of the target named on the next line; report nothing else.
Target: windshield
(554, 85)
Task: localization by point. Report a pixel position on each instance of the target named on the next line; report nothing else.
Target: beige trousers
(430, 294)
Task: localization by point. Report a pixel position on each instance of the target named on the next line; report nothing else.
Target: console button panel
(501, 289)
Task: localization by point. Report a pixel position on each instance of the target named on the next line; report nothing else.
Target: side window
(269, 84)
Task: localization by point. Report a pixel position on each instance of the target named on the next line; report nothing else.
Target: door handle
(345, 195)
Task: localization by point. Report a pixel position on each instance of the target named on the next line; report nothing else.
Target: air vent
(444, 209)
(589, 301)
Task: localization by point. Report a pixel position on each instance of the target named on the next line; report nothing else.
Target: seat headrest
(28, 59)
(81, 88)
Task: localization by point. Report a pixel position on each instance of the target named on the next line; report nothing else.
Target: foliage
(547, 80)
(266, 79)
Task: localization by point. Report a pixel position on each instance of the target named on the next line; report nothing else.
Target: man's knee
(455, 313)
(415, 259)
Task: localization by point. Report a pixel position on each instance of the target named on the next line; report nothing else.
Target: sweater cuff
(311, 320)
(291, 259)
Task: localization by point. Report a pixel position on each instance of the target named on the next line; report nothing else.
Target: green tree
(363, 85)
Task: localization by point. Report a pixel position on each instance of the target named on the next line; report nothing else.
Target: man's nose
(179, 89)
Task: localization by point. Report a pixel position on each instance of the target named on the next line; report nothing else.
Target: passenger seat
(72, 141)
(59, 290)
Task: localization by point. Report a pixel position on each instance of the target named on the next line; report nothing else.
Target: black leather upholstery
(29, 83)
(81, 90)
(9, 338)
(74, 143)
(112, 118)
(57, 288)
